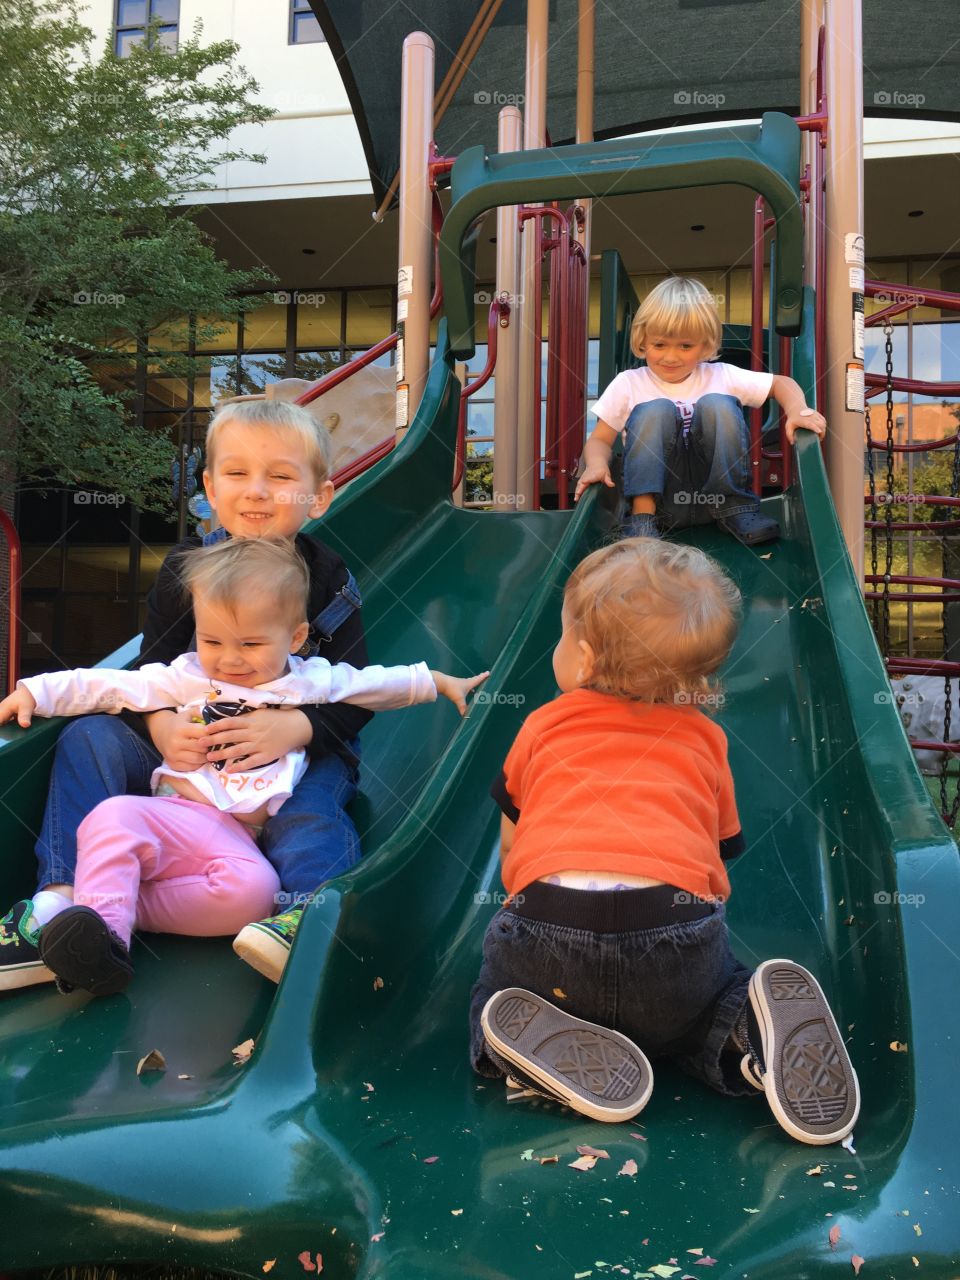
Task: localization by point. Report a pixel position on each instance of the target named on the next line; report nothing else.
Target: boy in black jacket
(267, 472)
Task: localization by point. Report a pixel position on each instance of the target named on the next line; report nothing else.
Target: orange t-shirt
(604, 784)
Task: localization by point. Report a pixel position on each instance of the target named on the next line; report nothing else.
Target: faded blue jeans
(309, 841)
(698, 476)
(676, 989)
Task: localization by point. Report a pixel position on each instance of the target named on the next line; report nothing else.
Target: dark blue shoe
(81, 949)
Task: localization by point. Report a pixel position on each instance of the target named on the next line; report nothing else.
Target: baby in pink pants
(185, 859)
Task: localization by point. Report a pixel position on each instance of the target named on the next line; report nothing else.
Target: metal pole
(416, 248)
(585, 82)
(844, 274)
(586, 65)
(534, 137)
(811, 20)
(509, 138)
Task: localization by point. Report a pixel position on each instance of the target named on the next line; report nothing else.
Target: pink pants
(169, 865)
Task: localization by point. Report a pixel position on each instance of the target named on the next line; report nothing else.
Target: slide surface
(357, 1131)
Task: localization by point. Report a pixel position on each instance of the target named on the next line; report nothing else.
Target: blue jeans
(676, 990)
(310, 840)
(696, 477)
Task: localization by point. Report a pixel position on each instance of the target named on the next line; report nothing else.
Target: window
(134, 16)
(304, 28)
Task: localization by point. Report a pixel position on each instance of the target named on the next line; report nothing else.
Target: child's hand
(20, 706)
(593, 473)
(260, 736)
(179, 739)
(809, 419)
(456, 688)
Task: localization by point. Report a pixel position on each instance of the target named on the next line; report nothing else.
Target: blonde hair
(679, 307)
(239, 569)
(280, 415)
(659, 617)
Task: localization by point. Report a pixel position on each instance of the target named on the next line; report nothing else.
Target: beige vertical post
(509, 138)
(844, 252)
(413, 272)
(811, 20)
(534, 136)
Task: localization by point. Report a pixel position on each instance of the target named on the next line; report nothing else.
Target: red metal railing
(497, 317)
(15, 563)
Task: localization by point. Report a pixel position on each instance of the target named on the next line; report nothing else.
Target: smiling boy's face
(262, 484)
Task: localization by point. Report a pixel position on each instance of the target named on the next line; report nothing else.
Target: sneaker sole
(262, 951)
(15, 977)
(597, 1072)
(766, 533)
(808, 1079)
(79, 950)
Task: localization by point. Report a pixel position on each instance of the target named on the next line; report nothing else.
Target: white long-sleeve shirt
(184, 685)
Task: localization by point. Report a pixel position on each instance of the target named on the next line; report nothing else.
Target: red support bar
(912, 597)
(786, 450)
(881, 317)
(15, 563)
(952, 747)
(914, 499)
(358, 465)
(923, 667)
(908, 579)
(878, 382)
(916, 526)
(916, 297)
(498, 309)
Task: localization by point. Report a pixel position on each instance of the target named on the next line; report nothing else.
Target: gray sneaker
(797, 1055)
(20, 963)
(596, 1071)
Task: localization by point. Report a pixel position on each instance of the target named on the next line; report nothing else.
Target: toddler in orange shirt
(618, 817)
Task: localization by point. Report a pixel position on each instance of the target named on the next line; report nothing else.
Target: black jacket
(168, 631)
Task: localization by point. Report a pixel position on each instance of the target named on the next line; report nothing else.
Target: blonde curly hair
(660, 618)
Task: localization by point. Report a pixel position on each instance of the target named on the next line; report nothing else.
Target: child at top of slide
(185, 860)
(618, 819)
(267, 472)
(686, 441)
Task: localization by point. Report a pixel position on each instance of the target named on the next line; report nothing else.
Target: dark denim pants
(309, 841)
(698, 476)
(676, 989)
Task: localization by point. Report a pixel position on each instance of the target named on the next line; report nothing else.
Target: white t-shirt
(639, 386)
(183, 685)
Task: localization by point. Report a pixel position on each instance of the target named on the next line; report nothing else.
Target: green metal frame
(765, 158)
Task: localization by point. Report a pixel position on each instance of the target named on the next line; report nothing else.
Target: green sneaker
(20, 963)
(266, 944)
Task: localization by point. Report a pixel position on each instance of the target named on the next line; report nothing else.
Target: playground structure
(320, 1142)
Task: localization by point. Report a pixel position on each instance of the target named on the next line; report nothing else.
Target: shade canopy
(657, 64)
